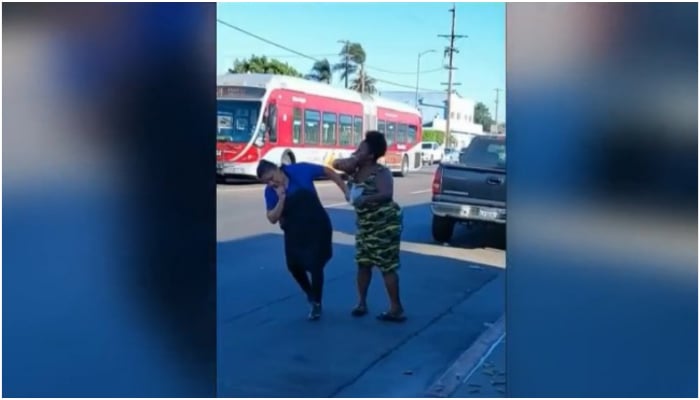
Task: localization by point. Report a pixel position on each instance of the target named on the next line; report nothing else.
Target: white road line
(260, 188)
(345, 203)
(421, 191)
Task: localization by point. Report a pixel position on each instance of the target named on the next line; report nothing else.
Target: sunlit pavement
(267, 348)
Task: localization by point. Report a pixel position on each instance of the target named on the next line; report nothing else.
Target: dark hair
(376, 142)
(264, 167)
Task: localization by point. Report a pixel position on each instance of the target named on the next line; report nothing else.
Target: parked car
(432, 152)
(472, 190)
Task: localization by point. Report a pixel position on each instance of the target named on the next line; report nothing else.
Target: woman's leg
(317, 278)
(389, 264)
(364, 277)
(301, 277)
(391, 282)
(363, 258)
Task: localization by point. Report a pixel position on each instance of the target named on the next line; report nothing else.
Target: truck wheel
(404, 167)
(443, 228)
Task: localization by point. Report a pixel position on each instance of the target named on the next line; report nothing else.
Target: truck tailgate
(475, 185)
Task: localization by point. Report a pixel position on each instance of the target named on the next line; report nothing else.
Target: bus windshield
(236, 120)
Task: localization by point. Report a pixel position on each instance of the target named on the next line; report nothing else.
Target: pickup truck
(472, 190)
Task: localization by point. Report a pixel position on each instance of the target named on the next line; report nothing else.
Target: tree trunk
(362, 78)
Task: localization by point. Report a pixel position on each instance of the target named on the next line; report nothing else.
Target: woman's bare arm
(338, 180)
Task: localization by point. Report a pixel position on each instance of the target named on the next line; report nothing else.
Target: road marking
(421, 191)
(345, 203)
(257, 187)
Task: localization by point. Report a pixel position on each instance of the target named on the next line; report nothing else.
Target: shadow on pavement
(267, 348)
(417, 229)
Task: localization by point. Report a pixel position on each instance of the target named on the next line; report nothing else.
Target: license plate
(238, 170)
(465, 211)
(488, 214)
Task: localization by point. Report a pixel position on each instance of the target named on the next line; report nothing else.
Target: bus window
(296, 127)
(412, 134)
(390, 133)
(381, 126)
(358, 130)
(402, 137)
(272, 122)
(345, 130)
(329, 125)
(312, 127)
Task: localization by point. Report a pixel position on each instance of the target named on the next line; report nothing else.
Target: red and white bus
(286, 120)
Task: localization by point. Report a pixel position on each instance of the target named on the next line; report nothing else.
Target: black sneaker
(315, 311)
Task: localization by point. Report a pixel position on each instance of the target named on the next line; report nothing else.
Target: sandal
(359, 311)
(389, 316)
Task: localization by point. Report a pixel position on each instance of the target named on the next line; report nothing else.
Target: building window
(345, 130)
(381, 126)
(358, 130)
(312, 127)
(329, 129)
(452, 115)
(296, 126)
(459, 116)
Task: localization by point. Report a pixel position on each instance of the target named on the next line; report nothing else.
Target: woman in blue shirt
(291, 199)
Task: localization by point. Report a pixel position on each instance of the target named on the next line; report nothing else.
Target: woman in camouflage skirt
(379, 223)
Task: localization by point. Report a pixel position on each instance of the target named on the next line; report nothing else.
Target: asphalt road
(267, 348)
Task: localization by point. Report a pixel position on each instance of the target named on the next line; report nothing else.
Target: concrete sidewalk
(268, 349)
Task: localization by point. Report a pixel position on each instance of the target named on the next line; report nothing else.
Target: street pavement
(267, 348)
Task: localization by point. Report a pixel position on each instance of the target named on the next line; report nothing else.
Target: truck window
(487, 153)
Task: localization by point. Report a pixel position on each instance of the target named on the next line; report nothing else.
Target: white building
(462, 124)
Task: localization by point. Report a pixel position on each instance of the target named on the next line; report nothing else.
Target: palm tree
(352, 56)
(321, 72)
(364, 83)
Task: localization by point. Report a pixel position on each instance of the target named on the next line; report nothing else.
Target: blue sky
(392, 35)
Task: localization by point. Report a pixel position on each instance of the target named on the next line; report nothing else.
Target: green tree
(263, 65)
(482, 116)
(352, 56)
(364, 83)
(433, 135)
(321, 72)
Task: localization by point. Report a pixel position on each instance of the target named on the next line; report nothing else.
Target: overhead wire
(312, 58)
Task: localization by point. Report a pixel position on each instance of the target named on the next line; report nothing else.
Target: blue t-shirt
(301, 176)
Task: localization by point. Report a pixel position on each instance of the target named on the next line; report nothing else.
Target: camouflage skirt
(378, 238)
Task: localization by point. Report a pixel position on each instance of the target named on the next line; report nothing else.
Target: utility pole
(496, 111)
(346, 59)
(449, 52)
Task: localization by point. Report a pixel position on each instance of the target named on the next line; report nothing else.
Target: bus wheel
(404, 167)
(287, 158)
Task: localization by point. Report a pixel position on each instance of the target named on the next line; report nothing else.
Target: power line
(405, 73)
(300, 54)
(270, 42)
(283, 55)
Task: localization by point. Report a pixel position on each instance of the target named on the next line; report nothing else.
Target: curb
(465, 365)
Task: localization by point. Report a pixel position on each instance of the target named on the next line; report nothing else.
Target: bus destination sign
(239, 92)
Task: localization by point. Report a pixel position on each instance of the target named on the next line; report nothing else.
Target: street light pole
(421, 54)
